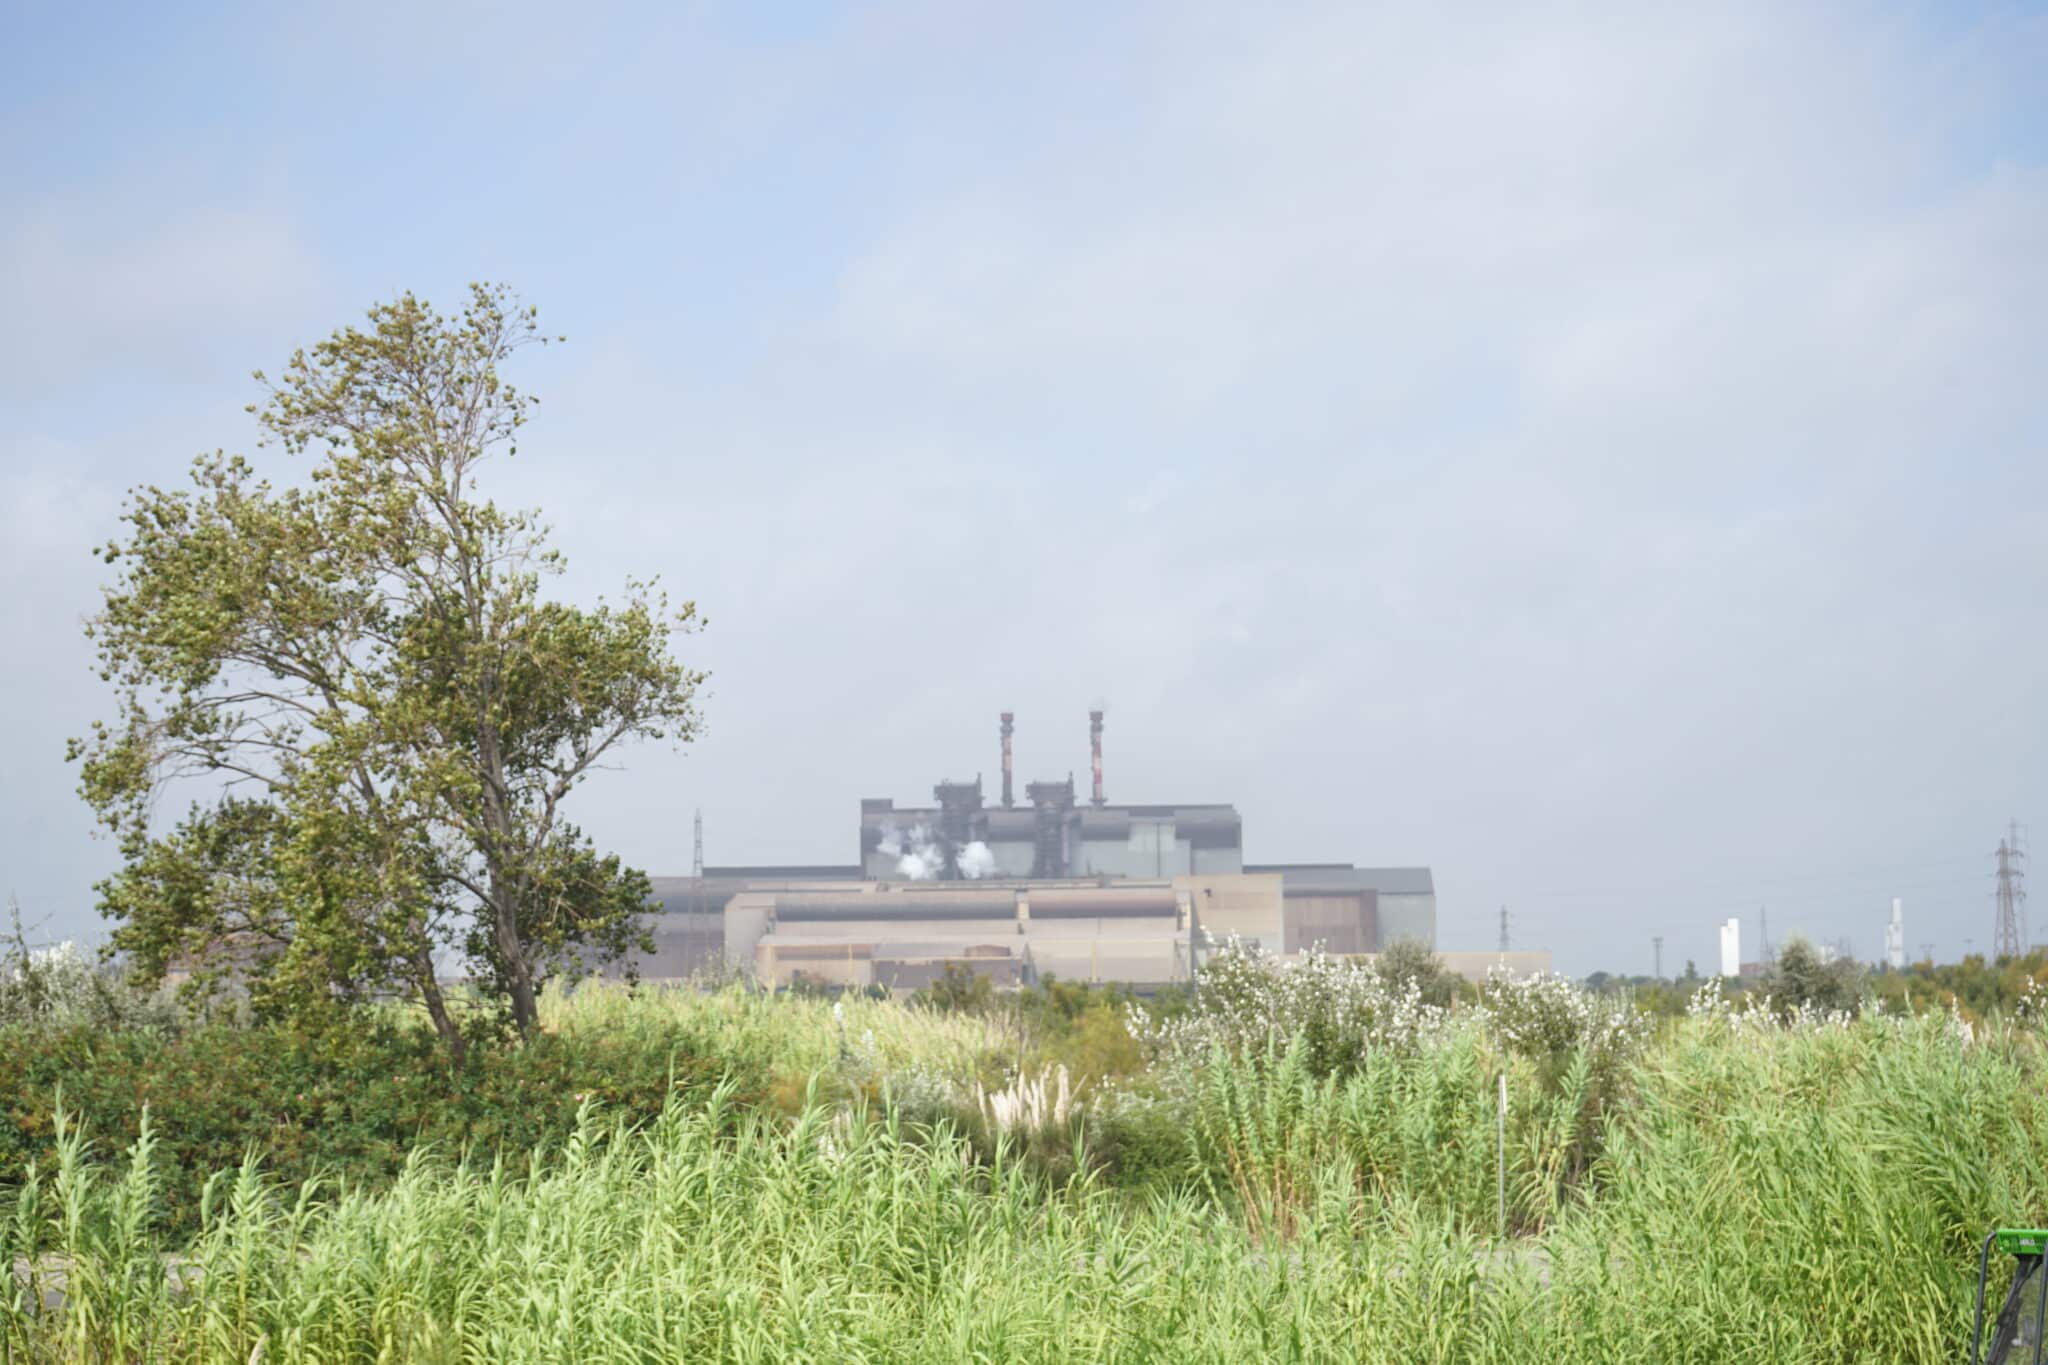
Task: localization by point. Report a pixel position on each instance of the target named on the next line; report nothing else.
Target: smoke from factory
(976, 861)
(921, 858)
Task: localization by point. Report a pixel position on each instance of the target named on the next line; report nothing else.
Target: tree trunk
(507, 886)
(437, 1008)
(512, 955)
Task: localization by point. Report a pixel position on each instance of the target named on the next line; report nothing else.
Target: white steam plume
(977, 862)
(918, 858)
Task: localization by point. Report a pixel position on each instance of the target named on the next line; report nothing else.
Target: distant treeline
(1977, 987)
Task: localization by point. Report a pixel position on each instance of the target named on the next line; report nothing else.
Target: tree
(1408, 961)
(1802, 977)
(386, 713)
(958, 989)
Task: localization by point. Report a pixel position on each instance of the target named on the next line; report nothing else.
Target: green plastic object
(2017, 1333)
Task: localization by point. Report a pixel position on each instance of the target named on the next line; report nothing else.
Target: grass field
(1731, 1187)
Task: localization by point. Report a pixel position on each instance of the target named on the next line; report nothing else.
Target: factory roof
(1311, 878)
(877, 809)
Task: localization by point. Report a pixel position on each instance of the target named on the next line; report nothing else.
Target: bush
(60, 987)
(1549, 1021)
(1801, 980)
(958, 990)
(1335, 1011)
(347, 1105)
(1409, 964)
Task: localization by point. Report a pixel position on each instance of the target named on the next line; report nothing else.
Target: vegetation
(383, 714)
(881, 1180)
(1804, 978)
(1975, 987)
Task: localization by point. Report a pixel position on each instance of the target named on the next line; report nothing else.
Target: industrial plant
(1022, 891)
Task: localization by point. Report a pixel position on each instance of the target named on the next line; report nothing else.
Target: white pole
(1501, 1176)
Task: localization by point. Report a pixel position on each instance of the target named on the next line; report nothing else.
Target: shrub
(1582, 1047)
(1335, 1011)
(348, 1105)
(1802, 980)
(958, 990)
(1408, 963)
(1549, 1020)
(60, 987)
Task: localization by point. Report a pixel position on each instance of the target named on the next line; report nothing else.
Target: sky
(1599, 452)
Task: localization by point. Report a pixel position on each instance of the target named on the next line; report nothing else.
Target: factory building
(1136, 894)
(1051, 839)
(1141, 931)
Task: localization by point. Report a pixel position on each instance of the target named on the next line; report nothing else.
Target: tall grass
(1753, 1193)
(790, 1035)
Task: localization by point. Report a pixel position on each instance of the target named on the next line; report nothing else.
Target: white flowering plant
(1335, 1011)
(60, 985)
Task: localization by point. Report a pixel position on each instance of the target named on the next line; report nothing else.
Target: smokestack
(1009, 727)
(1095, 751)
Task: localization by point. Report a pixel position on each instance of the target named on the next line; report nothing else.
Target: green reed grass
(1758, 1195)
(786, 1034)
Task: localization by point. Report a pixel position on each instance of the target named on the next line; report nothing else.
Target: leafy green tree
(1801, 977)
(385, 711)
(958, 989)
(1408, 960)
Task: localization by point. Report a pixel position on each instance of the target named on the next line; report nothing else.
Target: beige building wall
(1247, 904)
(1133, 931)
(1474, 966)
(849, 965)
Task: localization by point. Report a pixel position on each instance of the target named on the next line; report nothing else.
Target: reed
(1757, 1193)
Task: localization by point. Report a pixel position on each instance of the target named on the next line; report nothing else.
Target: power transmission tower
(1657, 954)
(2009, 927)
(1503, 928)
(1763, 914)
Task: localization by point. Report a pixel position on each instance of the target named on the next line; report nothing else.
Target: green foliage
(348, 1105)
(1078, 1025)
(1770, 1196)
(1409, 964)
(1975, 987)
(1800, 979)
(1334, 1010)
(958, 990)
(366, 666)
(59, 987)
(1764, 1188)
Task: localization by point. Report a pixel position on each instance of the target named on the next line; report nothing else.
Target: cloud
(115, 287)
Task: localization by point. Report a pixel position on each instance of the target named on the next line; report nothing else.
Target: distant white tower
(1895, 936)
(1731, 948)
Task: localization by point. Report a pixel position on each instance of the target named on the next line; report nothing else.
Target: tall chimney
(1095, 751)
(1009, 727)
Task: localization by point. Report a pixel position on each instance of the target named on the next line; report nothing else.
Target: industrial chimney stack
(1009, 727)
(1095, 752)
